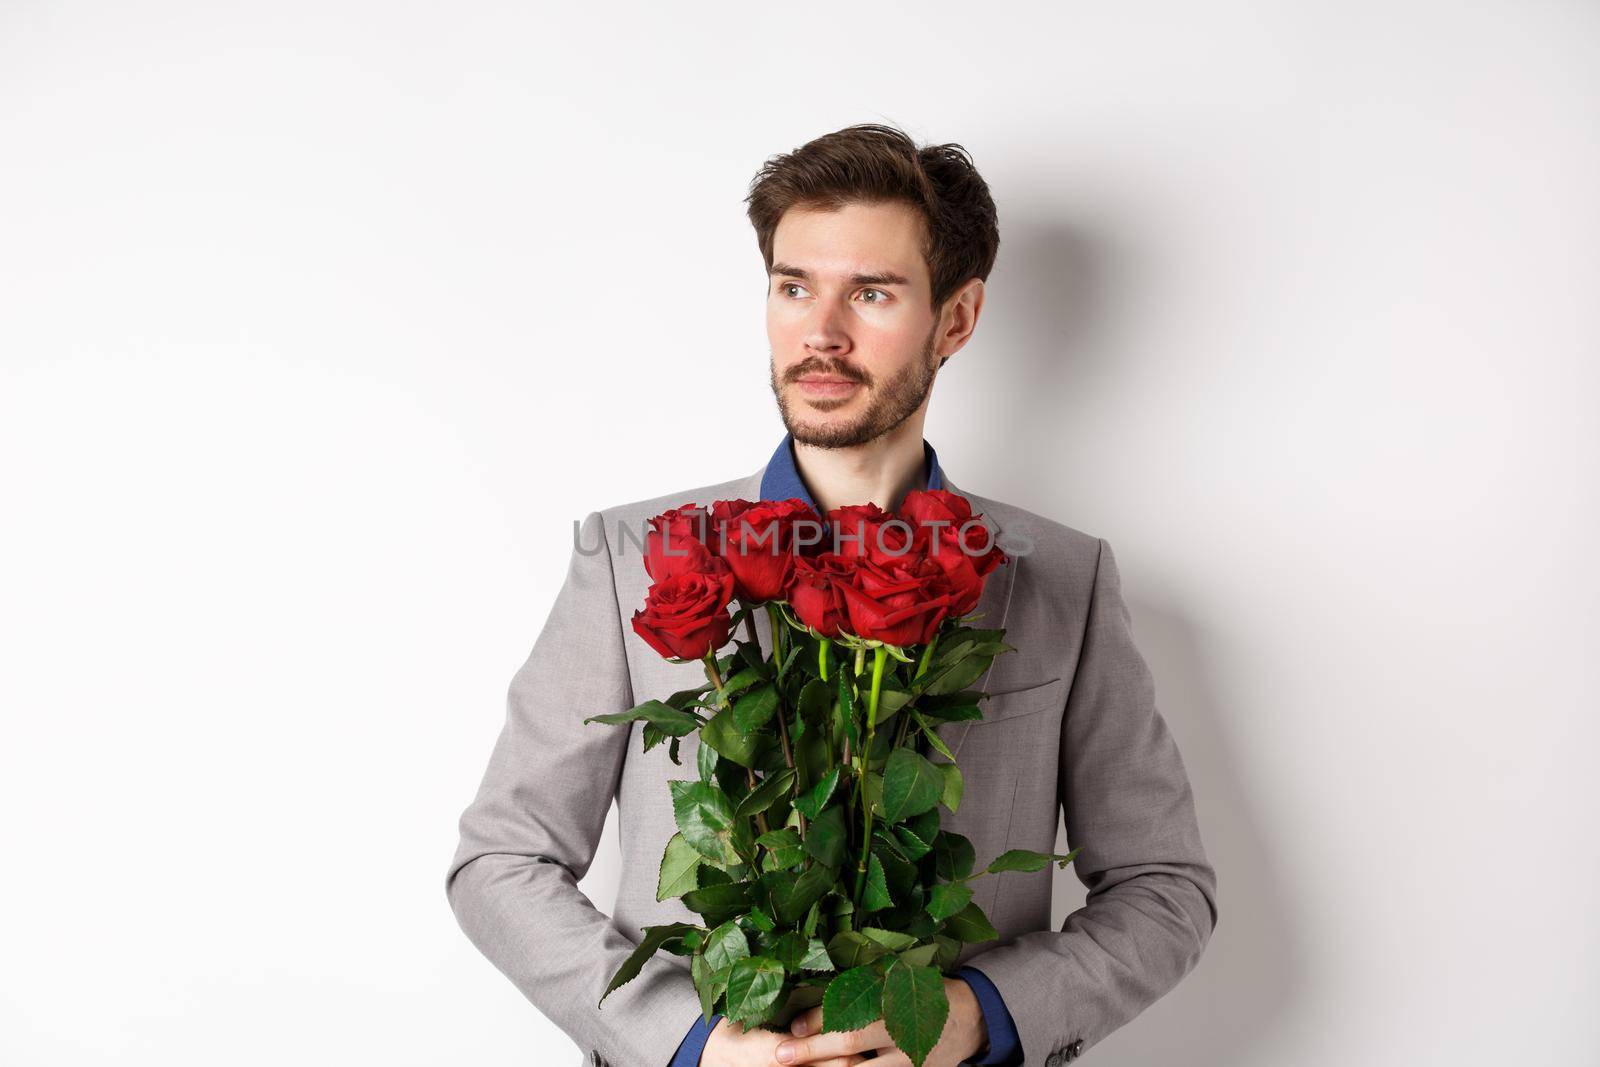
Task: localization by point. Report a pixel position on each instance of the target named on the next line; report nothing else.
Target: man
(877, 255)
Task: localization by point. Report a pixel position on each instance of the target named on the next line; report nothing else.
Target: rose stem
(879, 654)
(922, 668)
(779, 651)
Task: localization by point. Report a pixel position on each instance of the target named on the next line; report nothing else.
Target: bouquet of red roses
(810, 843)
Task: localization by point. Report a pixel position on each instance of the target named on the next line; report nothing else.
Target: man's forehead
(859, 242)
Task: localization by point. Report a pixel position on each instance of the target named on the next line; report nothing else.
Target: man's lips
(827, 386)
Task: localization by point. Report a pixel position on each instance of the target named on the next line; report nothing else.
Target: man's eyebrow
(883, 277)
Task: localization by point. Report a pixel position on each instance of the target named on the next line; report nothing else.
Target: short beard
(891, 403)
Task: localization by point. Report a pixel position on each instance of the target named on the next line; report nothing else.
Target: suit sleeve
(1151, 902)
(531, 831)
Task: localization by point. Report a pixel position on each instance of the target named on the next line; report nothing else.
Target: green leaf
(789, 949)
(732, 743)
(760, 920)
(783, 847)
(949, 951)
(891, 700)
(947, 899)
(953, 855)
(812, 800)
(971, 924)
(956, 675)
(813, 916)
(932, 734)
(816, 701)
(708, 984)
(688, 944)
(893, 940)
(1021, 859)
(898, 871)
(876, 897)
(667, 718)
(951, 713)
(813, 882)
(954, 647)
(680, 868)
(768, 793)
(783, 668)
(911, 784)
(853, 1000)
(653, 938)
(705, 761)
(711, 900)
(751, 711)
(705, 817)
(726, 945)
(826, 839)
(874, 791)
(753, 985)
(742, 680)
(750, 652)
(852, 948)
(914, 1008)
(921, 956)
(684, 699)
(918, 834)
(950, 796)
(816, 958)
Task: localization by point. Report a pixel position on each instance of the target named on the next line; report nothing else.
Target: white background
(321, 322)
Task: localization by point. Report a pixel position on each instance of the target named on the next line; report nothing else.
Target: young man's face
(850, 322)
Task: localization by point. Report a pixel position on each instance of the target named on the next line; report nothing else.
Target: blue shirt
(781, 481)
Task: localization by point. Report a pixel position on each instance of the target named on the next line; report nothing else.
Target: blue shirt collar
(781, 480)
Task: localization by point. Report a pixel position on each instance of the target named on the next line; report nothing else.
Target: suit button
(1055, 1059)
(1077, 1047)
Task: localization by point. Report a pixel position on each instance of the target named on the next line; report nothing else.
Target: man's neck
(881, 471)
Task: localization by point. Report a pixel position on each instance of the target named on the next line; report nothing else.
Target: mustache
(835, 370)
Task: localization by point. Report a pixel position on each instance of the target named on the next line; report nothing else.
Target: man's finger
(798, 1050)
(807, 1022)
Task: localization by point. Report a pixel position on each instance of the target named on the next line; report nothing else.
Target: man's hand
(731, 1045)
(964, 1037)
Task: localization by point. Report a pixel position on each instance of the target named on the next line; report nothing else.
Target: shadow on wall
(1251, 972)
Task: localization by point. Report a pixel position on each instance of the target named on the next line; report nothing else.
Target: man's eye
(880, 292)
(786, 286)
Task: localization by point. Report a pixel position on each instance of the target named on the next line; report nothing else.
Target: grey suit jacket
(1072, 725)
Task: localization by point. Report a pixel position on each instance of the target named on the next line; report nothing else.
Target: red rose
(675, 543)
(725, 515)
(946, 520)
(898, 604)
(686, 615)
(869, 532)
(814, 595)
(961, 581)
(760, 543)
(955, 539)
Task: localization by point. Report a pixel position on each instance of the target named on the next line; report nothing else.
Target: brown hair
(872, 163)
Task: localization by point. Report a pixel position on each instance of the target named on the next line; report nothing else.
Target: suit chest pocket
(1017, 702)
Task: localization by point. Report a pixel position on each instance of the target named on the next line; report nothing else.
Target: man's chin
(826, 436)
